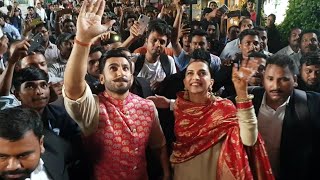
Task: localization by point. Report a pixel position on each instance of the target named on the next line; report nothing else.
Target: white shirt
(52, 53)
(230, 49)
(286, 51)
(270, 127)
(293, 55)
(39, 173)
(154, 71)
(42, 14)
(9, 101)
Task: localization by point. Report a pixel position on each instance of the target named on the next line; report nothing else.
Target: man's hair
(9, 8)
(206, 11)
(311, 58)
(39, 26)
(212, 2)
(94, 49)
(203, 56)
(150, 11)
(30, 7)
(64, 37)
(39, 51)
(28, 74)
(160, 26)
(293, 29)
(248, 32)
(282, 61)
(309, 31)
(233, 26)
(212, 23)
(246, 18)
(273, 17)
(124, 49)
(112, 53)
(67, 21)
(195, 23)
(130, 16)
(198, 32)
(4, 16)
(16, 122)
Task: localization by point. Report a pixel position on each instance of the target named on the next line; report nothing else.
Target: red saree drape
(199, 127)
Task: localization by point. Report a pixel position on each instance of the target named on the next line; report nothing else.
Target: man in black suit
(29, 151)
(288, 121)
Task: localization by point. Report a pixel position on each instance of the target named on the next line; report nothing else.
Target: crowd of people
(107, 90)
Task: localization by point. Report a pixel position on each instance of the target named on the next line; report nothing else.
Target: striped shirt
(58, 68)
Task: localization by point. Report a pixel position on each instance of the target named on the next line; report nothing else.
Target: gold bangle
(248, 98)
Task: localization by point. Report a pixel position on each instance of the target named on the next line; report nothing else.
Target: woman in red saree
(214, 139)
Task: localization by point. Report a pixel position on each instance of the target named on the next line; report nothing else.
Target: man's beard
(313, 86)
(26, 174)
(312, 48)
(110, 85)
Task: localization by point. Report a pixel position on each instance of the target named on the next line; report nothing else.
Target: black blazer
(299, 148)
(57, 156)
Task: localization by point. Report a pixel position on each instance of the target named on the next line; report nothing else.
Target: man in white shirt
(22, 152)
(293, 46)
(308, 42)
(155, 66)
(42, 13)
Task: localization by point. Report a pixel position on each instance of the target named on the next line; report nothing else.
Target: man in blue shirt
(9, 30)
(198, 41)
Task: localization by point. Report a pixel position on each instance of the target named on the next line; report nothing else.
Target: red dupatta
(199, 127)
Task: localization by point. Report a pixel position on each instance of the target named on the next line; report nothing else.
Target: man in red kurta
(117, 125)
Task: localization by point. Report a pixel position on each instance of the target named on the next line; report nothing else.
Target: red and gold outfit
(200, 127)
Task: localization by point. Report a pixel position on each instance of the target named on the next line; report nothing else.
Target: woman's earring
(211, 94)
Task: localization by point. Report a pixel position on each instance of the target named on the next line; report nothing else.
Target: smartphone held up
(143, 23)
(35, 42)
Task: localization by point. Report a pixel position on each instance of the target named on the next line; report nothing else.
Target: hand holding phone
(35, 42)
(143, 23)
(223, 9)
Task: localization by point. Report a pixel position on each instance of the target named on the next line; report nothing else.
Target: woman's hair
(201, 55)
